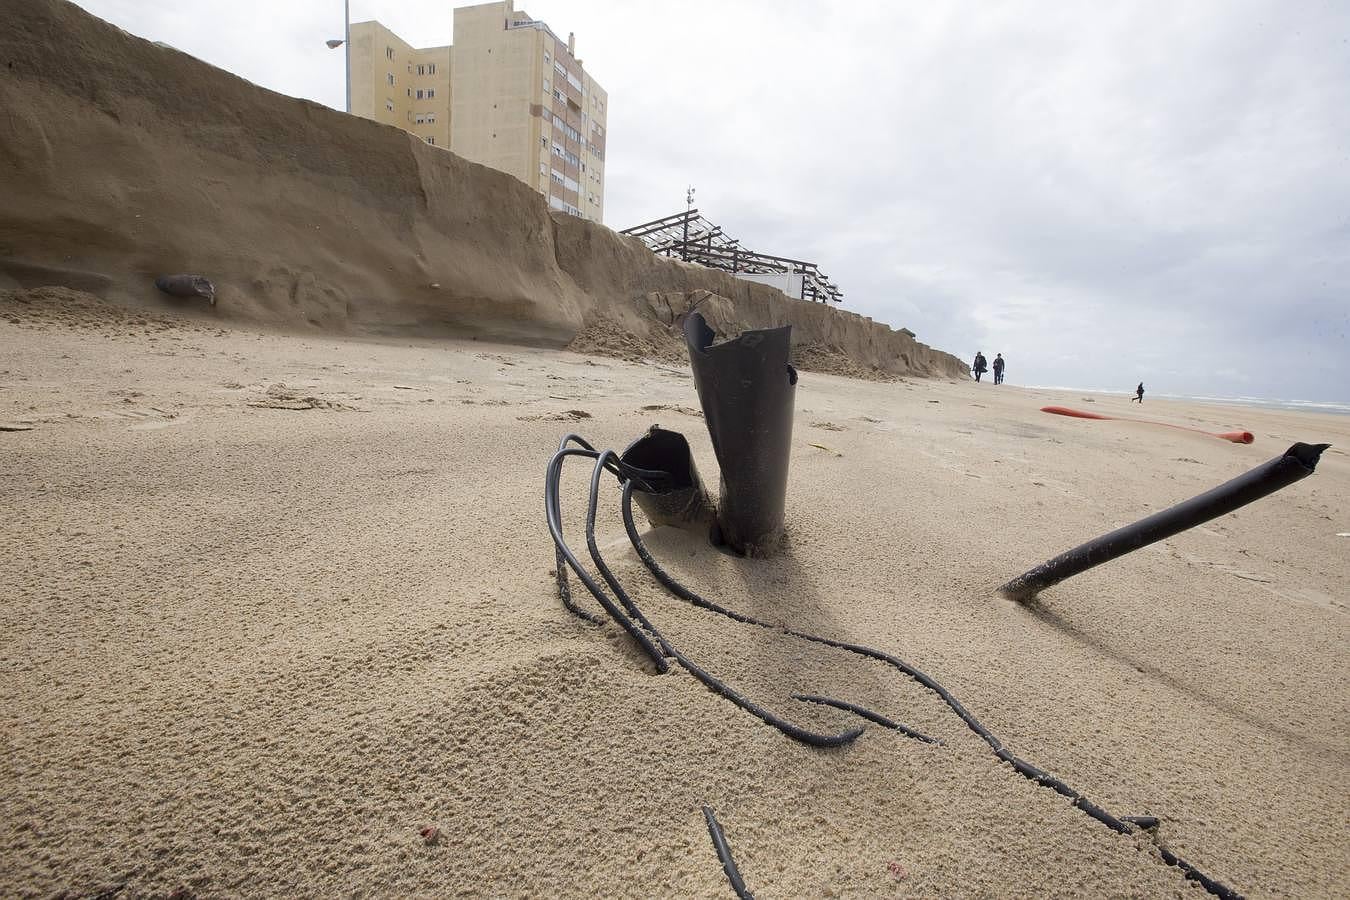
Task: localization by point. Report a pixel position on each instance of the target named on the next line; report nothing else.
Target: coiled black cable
(1023, 768)
(553, 511)
(635, 621)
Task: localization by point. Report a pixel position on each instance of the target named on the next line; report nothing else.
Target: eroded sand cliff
(122, 160)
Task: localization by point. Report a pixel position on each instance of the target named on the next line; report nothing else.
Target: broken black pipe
(746, 387)
(187, 287)
(1297, 462)
(682, 501)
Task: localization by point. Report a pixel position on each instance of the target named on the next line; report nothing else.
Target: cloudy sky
(1103, 192)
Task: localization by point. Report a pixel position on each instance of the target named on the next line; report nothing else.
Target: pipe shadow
(782, 591)
(1215, 701)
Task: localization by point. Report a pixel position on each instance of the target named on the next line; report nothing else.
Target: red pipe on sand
(1237, 437)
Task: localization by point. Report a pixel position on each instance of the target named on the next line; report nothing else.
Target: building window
(431, 140)
(421, 120)
(389, 52)
(431, 92)
(390, 76)
(421, 70)
(431, 68)
(543, 141)
(389, 105)
(431, 118)
(547, 59)
(566, 129)
(543, 168)
(420, 93)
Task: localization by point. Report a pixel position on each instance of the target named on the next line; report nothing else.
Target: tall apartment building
(397, 84)
(507, 93)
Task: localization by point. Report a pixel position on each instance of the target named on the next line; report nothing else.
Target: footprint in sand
(279, 396)
(682, 410)
(144, 418)
(1309, 597)
(571, 415)
(828, 426)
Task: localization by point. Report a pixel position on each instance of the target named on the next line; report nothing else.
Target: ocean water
(1315, 406)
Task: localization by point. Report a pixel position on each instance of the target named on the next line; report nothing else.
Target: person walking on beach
(1138, 394)
(981, 365)
(998, 368)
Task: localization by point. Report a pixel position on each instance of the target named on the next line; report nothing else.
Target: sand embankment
(121, 160)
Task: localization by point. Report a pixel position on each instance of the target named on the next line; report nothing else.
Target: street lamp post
(346, 45)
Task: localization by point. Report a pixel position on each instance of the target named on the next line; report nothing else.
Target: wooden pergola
(692, 238)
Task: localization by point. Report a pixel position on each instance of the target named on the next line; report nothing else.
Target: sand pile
(47, 307)
(121, 161)
(655, 332)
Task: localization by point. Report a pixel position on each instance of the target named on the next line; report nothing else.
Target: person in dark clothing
(981, 365)
(998, 368)
(1138, 394)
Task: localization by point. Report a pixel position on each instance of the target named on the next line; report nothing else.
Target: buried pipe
(1296, 463)
(746, 388)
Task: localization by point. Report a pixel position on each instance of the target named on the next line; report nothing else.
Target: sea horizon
(1323, 406)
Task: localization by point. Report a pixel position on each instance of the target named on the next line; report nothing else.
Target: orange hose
(1237, 437)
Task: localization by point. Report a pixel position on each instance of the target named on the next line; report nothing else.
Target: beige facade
(508, 93)
(398, 84)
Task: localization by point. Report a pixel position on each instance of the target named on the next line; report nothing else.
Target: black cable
(552, 509)
(608, 461)
(714, 684)
(560, 565)
(1021, 766)
(724, 854)
(867, 714)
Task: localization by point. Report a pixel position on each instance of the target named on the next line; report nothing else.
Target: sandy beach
(273, 605)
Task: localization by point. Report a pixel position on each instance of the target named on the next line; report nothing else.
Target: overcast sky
(1103, 192)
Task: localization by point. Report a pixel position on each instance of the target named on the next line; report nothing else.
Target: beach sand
(272, 605)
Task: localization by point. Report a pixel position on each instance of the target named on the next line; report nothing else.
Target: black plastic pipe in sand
(681, 501)
(746, 387)
(1296, 463)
